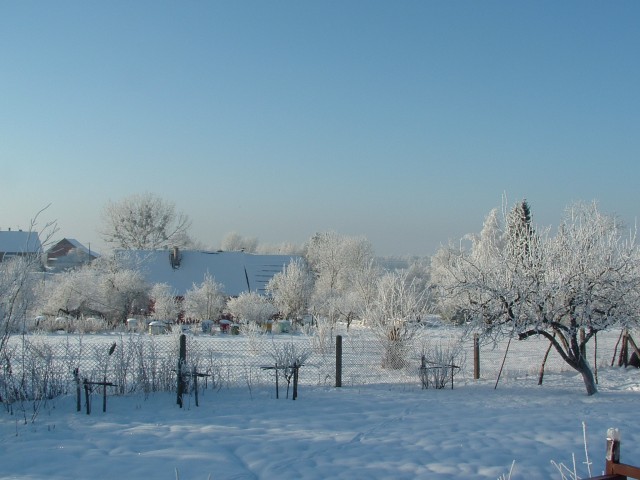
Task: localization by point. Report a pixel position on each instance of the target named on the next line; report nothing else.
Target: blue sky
(405, 122)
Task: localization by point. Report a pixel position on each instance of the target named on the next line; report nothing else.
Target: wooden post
(87, 398)
(476, 356)
(339, 361)
(296, 367)
(104, 394)
(76, 377)
(277, 386)
(595, 356)
(504, 359)
(452, 367)
(194, 376)
(182, 360)
(423, 372)
(613, 450)
(624, 349)
(615, 349)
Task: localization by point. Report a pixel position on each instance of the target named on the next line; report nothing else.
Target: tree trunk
(544, 362)
(587, 375)
(566, 344)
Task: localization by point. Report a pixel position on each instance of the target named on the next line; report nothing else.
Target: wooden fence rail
(614, 470)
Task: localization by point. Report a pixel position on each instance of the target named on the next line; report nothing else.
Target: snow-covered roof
(238, 271)
(19, 242)
(75, 244)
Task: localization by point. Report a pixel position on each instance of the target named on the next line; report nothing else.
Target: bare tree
(144, 222)
(565, 287)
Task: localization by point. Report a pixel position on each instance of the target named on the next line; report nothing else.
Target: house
(68, 253)
(238, 272)
(19, 243)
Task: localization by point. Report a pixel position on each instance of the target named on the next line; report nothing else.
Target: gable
(64, 246)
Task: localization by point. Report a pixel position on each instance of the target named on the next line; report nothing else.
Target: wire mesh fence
(518, 359)
(48, 365)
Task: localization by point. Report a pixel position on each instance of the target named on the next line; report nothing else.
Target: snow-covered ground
(369, 432)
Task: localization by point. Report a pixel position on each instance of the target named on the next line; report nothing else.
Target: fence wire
(36, 366)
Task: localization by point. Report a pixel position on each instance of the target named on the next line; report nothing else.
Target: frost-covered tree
(100, 289)
(251, 308)
(21, 279)
(205, 301)
(349, 303)
(144, 222)
(585, 278)
(127, 293)
(234, 242)
(394, 314)
(520, 236)
(335, 259)
(484, 252)
(345, 275)
(291, 289)
(74, 293)
(165, 302)
(18, 285)
(285, 248)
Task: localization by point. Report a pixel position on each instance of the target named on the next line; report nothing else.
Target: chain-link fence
(525, 358)
(49, 365)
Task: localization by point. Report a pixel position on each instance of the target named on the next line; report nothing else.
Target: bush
(439, 364)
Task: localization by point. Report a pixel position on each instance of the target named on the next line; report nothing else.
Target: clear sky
(403, 121)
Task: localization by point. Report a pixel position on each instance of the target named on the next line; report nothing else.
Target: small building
(157, 328)
(18, 243)
(67, 254)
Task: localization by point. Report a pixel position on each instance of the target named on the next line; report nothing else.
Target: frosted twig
(587, 462)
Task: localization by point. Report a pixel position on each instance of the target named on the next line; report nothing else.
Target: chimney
(174, 258)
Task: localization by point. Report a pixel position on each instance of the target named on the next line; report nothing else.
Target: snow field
(370, 431)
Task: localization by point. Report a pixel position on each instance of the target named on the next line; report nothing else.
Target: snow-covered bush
(205, 301)
(322, 335)
(250, 307)
(29, 378)
(288, 358)
(252, 311)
